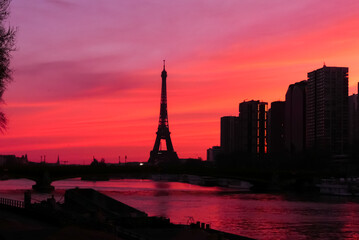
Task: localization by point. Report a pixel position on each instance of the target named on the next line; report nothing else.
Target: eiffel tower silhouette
(158, 155)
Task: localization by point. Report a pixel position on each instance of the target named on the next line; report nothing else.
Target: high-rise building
(275, 133)
(229, 134)
(294, 118)
(213, 153)
(253, 127)
(327, 110)
(353, 125)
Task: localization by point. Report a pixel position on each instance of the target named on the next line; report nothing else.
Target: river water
(260, 216)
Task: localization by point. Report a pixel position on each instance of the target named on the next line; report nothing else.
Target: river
(260, 216)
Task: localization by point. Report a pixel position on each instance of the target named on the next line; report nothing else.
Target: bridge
(44, 174)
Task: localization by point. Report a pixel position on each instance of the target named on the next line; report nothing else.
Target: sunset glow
(87, 73)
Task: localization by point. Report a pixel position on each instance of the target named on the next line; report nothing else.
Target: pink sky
(87, 72)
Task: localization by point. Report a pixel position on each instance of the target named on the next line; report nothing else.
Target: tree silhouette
(7, 42)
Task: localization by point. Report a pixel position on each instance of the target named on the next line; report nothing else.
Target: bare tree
(7, 42)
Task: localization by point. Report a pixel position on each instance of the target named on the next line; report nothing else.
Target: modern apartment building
(327, 110)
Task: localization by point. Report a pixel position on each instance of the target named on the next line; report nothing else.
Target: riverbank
(16, 225)
(93, 215)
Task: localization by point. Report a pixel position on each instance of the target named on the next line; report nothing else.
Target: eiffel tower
(158, 155)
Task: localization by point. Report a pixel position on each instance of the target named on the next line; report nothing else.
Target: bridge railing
(12, 203)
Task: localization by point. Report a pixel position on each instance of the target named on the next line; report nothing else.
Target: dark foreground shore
(88, 214)
(17, 226)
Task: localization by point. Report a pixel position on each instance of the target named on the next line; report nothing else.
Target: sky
(86, 73)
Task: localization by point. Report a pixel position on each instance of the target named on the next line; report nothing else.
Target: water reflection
(162, 189)
(261, 216)
(351, 220)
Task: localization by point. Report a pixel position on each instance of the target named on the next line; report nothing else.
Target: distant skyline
(87, 73)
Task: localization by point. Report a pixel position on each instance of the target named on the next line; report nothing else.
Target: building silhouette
(275, 133)
(353, 122)
(229, 134)
(159, 154)
(253, 127)
(294, 118)
(213, 153)
(327, 110)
